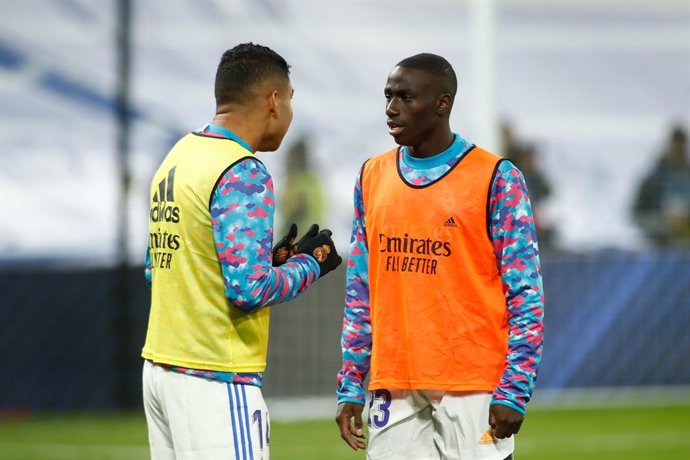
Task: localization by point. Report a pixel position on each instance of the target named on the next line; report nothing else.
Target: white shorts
(432, 425)
(190, 418)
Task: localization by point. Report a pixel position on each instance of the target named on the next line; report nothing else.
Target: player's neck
(243, 123)
(432, 145)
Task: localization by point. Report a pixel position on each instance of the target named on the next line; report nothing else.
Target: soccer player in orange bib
(444, 303)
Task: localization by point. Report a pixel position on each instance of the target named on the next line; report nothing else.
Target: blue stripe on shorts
(239, 421)
(246, 422)
(232, 418)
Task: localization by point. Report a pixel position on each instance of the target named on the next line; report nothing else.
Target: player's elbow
(247, 306)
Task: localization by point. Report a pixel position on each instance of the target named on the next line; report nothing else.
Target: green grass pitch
(634, 433)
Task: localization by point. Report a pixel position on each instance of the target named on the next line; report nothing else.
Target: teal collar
(226, 133)
(457, 148)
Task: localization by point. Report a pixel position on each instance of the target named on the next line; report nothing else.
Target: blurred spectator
(510, 146)
(302, 200)
(524, 156)
(662, 205)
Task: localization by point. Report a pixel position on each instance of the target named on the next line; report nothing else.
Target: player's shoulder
(380, 159)
(502, 166)
(250, 161)
(248, 165)
(505, 170)
(244, 171)
(392, 152)
(482, 154)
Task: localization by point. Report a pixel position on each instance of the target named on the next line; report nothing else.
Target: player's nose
(392, 109)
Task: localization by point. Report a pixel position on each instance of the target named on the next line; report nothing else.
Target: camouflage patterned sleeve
(147, 265)
(356, 335)
(515, 244)
(242, 207)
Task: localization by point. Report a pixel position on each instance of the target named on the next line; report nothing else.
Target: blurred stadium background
(90, 102)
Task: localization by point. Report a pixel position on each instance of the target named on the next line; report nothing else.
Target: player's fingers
(358, 426)
(292, 233)
(359, 444)
(346, 432)
(313, 231)
(357, 437)
(358, 431)
(503, 430)
(351, 430)
(327, 232)
(310, 233)
(517, 427)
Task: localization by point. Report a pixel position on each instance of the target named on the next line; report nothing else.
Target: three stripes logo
(161, 209)
(166, 188)
(450, 222)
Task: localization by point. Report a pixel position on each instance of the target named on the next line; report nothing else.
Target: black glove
(320, 246)
(285, 247)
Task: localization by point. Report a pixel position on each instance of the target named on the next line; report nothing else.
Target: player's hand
(285, 248)
(504, 421)
(320, 246)
(311, 233)
(353, 435)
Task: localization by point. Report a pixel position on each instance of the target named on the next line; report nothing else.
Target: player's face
(280, 119)
(412, 102)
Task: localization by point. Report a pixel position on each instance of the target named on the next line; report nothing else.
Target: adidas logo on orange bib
(488, 438)
(450, 223)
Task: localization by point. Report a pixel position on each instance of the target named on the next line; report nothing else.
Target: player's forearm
(356, 336)
(276, 284)
(253, 283)
(147, 265)
(355, 342)
(525, 305)
(356, 348)
(525, 345)
(242, 207)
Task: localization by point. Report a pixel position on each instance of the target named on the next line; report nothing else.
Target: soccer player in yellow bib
(444, 305)
(213, 272)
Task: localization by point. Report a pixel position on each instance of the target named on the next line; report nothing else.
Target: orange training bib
(438, 311)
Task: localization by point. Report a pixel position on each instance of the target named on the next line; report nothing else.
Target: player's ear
(445, 102)
(273, 103)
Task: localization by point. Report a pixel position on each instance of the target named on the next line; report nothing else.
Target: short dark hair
(435, 65)
(242, 68)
